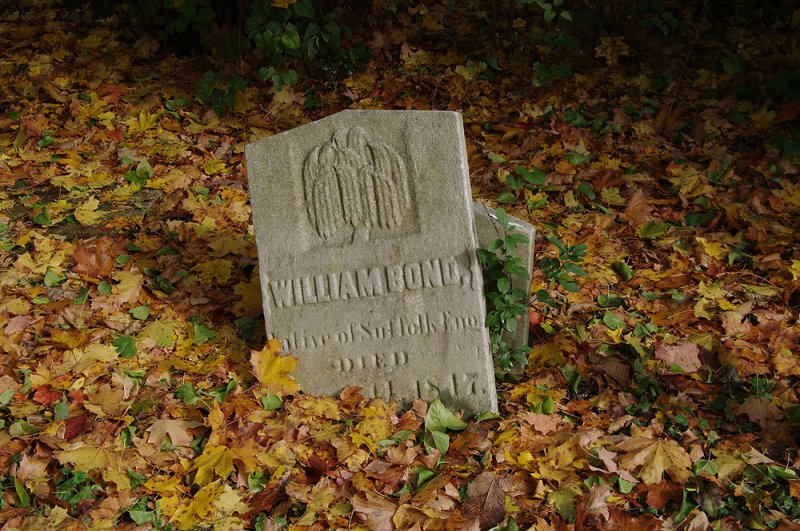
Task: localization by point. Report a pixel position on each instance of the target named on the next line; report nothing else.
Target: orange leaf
(96, 259)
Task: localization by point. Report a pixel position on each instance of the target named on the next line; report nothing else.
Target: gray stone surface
(488, 231)
(366, 246)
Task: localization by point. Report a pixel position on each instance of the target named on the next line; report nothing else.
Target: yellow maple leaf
(795, 269)
(611, 49)
(615, 335)
(375, 426)
(215, 461)
(214, 270)
(213, 504)
(82, 360)
(200, 509)
(656, 456)
(250, 298)
(549, 353)
(143, 122)
(165, 485)
(322, 495)
(87, 213)
(689, 180)
(213, 167)
(319, 406)
(87, 457)
(762, 118)
(272, 369)
(713, 249)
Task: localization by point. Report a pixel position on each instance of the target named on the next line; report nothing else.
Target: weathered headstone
(488, 230)
(366, 247)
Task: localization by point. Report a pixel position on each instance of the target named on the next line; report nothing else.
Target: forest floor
(136, 390)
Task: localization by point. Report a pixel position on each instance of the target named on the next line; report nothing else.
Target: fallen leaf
(659, 495)
(542, 423)
(595, 501)
(683, 354)
(272, 369)
(175, 428)
(215, 461)
(655, 456)
(378, 511)
(95, 259)
(484, 501)
(759, 409)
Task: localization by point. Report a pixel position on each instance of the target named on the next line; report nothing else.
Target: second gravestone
(367, 259)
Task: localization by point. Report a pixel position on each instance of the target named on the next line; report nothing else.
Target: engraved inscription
(381, 360)
(458, 385)
(382, 330)
(373, 282)
(356, 182)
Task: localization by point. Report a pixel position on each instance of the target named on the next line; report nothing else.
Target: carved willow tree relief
(355, 182)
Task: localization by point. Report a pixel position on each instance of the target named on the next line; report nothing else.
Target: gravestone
(364, 229)
(488, 230)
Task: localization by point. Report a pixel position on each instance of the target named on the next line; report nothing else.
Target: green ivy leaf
(24, 497)
(440, 419)
(506, 197)
(61, 410)
(290, 37)
(6, 396)
(141, 312)
(609, 301)
(142, 517)
(623, 270)
(144, 171)
(625, 487)
(612, 321)
(271, 402)
(136, 478)
(503, 285)
(43, 218)
(536, 176)
(219, 393)
(441, 441)
(202, 334)
(20, 428)
(125, 346)
(486, 415)
(652, 230)
(576, 159)
(304, 9)
(423, 475)
(52, 279)
(186, 393)
(290, 77)
(502, 218)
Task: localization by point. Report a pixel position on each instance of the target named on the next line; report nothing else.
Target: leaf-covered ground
(136, 389)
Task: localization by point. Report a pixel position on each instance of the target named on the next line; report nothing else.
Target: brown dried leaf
(759, 409)
(659, 495)
(95, 259)
(377, 510)
(542, 423)
(175, 428)
(594, 503)
(684, 354)
(656, 456)
(485, 501)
